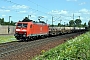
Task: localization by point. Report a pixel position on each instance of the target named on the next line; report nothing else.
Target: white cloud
(77, 13)
(22, 11)
(4, 11)
(66, 16)
(58, 12)
(63, 12)
(83, 3)
(71, 0)
(7, 10)
(84, 11)
(3, 15)
(19, 7)
(3, 7)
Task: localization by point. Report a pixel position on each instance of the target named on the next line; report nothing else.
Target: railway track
(15, 47)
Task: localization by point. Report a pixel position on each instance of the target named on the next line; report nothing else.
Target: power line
(38, 5)
(10, 2)
(11, 10)
(15, 11)
(29, 8)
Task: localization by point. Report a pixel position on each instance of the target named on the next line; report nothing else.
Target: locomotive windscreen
(23, 25)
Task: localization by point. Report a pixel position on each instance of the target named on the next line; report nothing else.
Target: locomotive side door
(31, 29)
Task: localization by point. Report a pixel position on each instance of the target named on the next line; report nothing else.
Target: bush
(75, 49)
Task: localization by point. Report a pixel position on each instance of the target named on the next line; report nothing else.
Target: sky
(58, 9)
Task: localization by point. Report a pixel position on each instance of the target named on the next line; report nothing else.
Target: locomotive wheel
(27, 39)
(31, 39)
(17, 38)
(42, 36)
(35, 37)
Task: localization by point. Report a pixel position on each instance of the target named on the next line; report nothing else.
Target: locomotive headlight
(24, 35)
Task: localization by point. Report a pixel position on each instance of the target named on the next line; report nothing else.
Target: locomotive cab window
(24, 25)
(19, 25)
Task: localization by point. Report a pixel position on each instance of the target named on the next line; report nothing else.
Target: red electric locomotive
(28, 29)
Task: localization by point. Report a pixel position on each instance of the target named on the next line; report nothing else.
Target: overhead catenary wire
(35, 10)
(29, 7)
(38, 5)
(12, 10)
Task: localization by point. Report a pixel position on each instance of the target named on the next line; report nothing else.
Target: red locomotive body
(30, 30)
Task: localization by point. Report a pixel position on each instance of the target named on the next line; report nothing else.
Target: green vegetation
(74, 49)
(72, 23)
(2, 22)
(4, 39)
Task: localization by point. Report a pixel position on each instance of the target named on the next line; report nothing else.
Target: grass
(7, 38)
(74, 49)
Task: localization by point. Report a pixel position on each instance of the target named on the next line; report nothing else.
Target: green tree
(6, 23)
(84, 25)
(89, 24)
(59, 24)
(78, 22)
(67, 24)
(12, 23)
(71, 23)
(2, 21)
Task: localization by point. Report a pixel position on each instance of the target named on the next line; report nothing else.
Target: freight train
(29, 30)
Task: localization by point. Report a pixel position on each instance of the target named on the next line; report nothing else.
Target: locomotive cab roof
(28, 20)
